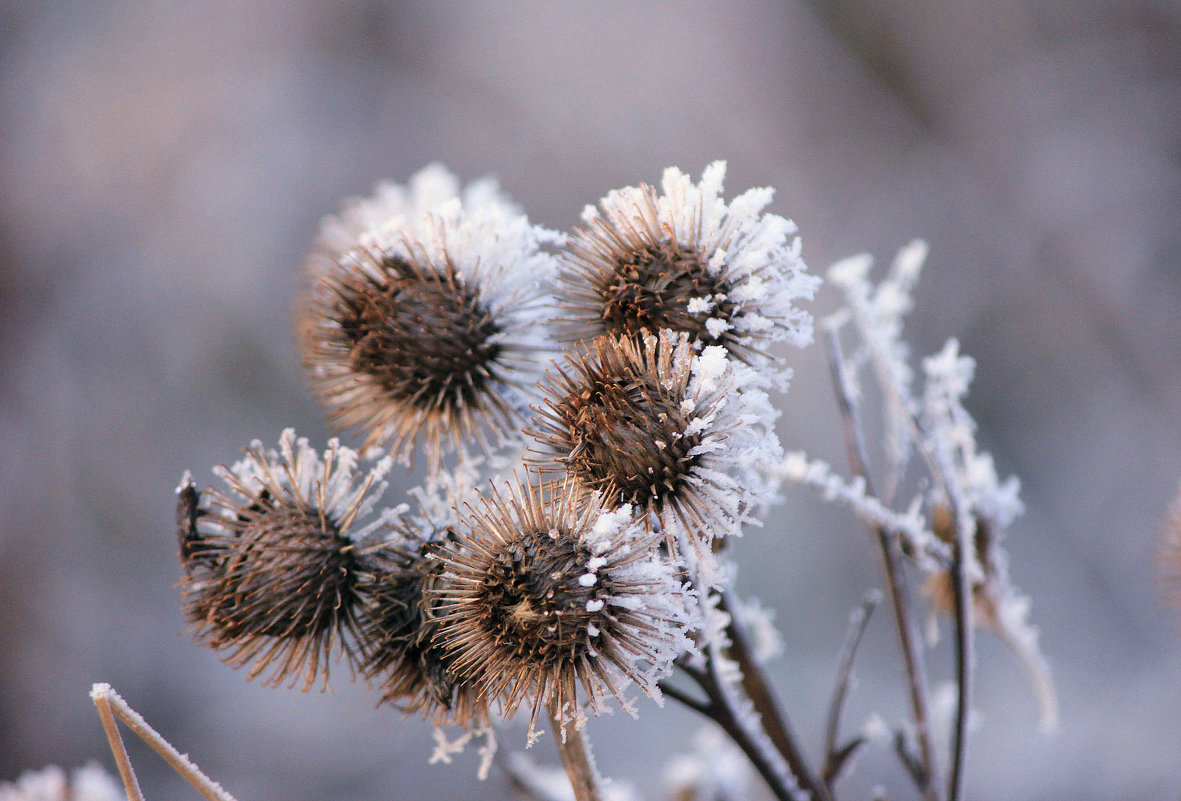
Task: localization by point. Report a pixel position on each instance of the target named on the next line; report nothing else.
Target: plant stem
(110, 706)
(774, 721)
(895, 581)
(963, 658)
(857, 625)
(719, 710)
(574, 749)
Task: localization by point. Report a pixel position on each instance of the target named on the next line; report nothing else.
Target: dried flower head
(399, 627)
(431, 324)
(271, 565)
(656, 425)
(685, 260)
(543, 596)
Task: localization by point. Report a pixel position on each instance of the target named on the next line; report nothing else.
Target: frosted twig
(895, 581)
(774, 720)
(834, 759)
(111, 706)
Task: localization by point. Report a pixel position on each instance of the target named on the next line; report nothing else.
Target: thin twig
(109, 702)
(892, 564)
(126, 772)
(721, 712)
(857, 625)
(574, 749)
(685, 699)
(774, 720)
(962, 592)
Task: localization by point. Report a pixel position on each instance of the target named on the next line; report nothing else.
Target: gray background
(162, 171)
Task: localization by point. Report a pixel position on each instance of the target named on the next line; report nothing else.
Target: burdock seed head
(683, 259)
(431, 326)
(552, 600)
(659, 426)
(272, 561)
(399, 624)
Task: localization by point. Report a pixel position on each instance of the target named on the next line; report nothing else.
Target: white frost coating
(716, 326)
(910, 525)
(759, 622)
(595, 605)
(877, 313)
(976, 493)
(297, 474)
(588, 579)
(699, 305)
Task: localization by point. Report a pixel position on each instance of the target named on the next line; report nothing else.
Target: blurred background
(163, 167)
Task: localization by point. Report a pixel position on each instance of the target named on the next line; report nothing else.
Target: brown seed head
(536, 603)
(399, 627)
(616, 418)
(270, 572)
(399, 346)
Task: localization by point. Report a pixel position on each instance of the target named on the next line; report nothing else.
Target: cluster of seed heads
(629, 365)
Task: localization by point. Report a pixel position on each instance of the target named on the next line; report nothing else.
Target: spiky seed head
(660, 426)
(616, 419)
(398, 348)
(271, 568)
(544, 598)
(399, 627)
(431, 325)
(685, 260)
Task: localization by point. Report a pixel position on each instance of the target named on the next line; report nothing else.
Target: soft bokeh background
(163, 167)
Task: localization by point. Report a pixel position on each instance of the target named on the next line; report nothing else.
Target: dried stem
(761, 694)
(858, 621)
(574, 749)
(895, 581)
(126, 772)
(110, 706)
(962, 591)
(720, 711)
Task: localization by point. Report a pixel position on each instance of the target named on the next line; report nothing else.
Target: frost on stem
(964, 493)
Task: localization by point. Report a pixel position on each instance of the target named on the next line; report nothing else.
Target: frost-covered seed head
(685, 260)
(544, 596)
(271, 570)
(615, 417)
(660, 426)
(431, 325)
